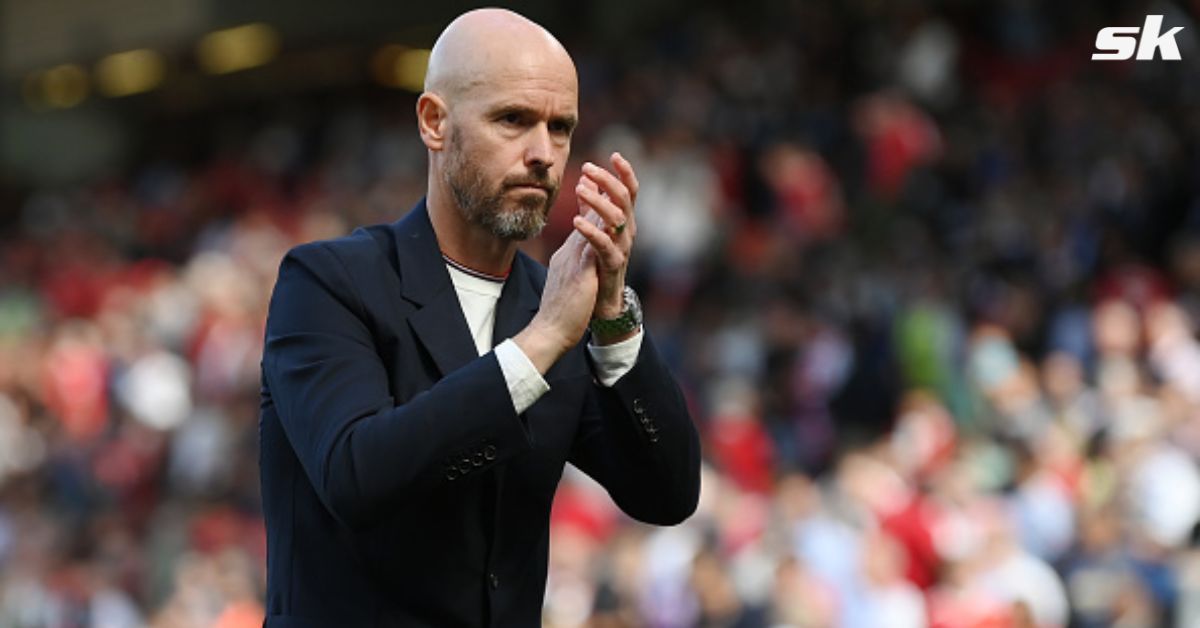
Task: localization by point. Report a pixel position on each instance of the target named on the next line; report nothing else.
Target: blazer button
(477, 458)
(451, 474)
(489, 453)
(493, 581)
(464, 465)
(637, 406)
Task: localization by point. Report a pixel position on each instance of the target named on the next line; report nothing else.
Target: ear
(432, 120)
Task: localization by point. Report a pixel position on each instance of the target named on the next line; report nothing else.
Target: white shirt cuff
(525, 383)
(615, 360)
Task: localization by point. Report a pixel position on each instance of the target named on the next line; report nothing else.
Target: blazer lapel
(518, 301)
(439, 322)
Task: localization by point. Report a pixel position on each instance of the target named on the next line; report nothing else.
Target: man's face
(507, 147)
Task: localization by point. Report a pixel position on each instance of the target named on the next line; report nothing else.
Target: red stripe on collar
(476, 273)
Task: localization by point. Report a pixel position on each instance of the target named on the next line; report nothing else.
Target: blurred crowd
(929, 277)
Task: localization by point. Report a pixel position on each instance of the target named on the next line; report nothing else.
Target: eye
(511, 118)
(561, 128)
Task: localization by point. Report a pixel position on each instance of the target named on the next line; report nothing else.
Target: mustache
(543, 182)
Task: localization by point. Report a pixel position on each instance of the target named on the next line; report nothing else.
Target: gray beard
(486, 209)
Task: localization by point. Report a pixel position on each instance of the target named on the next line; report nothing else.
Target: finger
(604, 207)
(573, 239)
(594, 218)
(611, 185)
(628, 210)
(579, 253)
(588, 183)
(575, 242)
(628, 177)
(604, 251)
(609, 253)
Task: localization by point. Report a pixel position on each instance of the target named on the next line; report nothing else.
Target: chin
(529, 202)
(519, 223)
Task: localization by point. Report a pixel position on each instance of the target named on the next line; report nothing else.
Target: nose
(539, 151)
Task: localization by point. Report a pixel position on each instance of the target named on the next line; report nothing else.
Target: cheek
(475, 157)
(494, 154)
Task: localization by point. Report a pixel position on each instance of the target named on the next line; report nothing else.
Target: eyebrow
(569, 120)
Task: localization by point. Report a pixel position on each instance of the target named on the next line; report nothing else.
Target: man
(424, 382)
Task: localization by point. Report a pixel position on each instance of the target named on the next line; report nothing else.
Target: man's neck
(467, 244)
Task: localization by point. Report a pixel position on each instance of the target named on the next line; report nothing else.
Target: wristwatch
(628, 320)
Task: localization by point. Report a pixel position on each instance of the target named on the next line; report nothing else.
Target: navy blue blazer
(399, 485)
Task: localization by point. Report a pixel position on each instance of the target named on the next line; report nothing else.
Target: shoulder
(340, 266)
(365, 247)
(324, 279)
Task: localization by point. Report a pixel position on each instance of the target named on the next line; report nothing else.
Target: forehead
(528, 80)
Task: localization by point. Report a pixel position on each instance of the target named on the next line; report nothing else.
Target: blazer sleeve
(361, 451)
(637, 439)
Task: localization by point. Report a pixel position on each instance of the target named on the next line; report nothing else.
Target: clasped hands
(586, 275)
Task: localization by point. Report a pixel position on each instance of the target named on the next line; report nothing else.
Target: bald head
(487, 46)
(500, 104)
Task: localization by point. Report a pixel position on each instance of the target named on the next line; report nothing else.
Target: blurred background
(928, 275)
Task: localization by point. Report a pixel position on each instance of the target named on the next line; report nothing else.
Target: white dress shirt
(478, 295)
